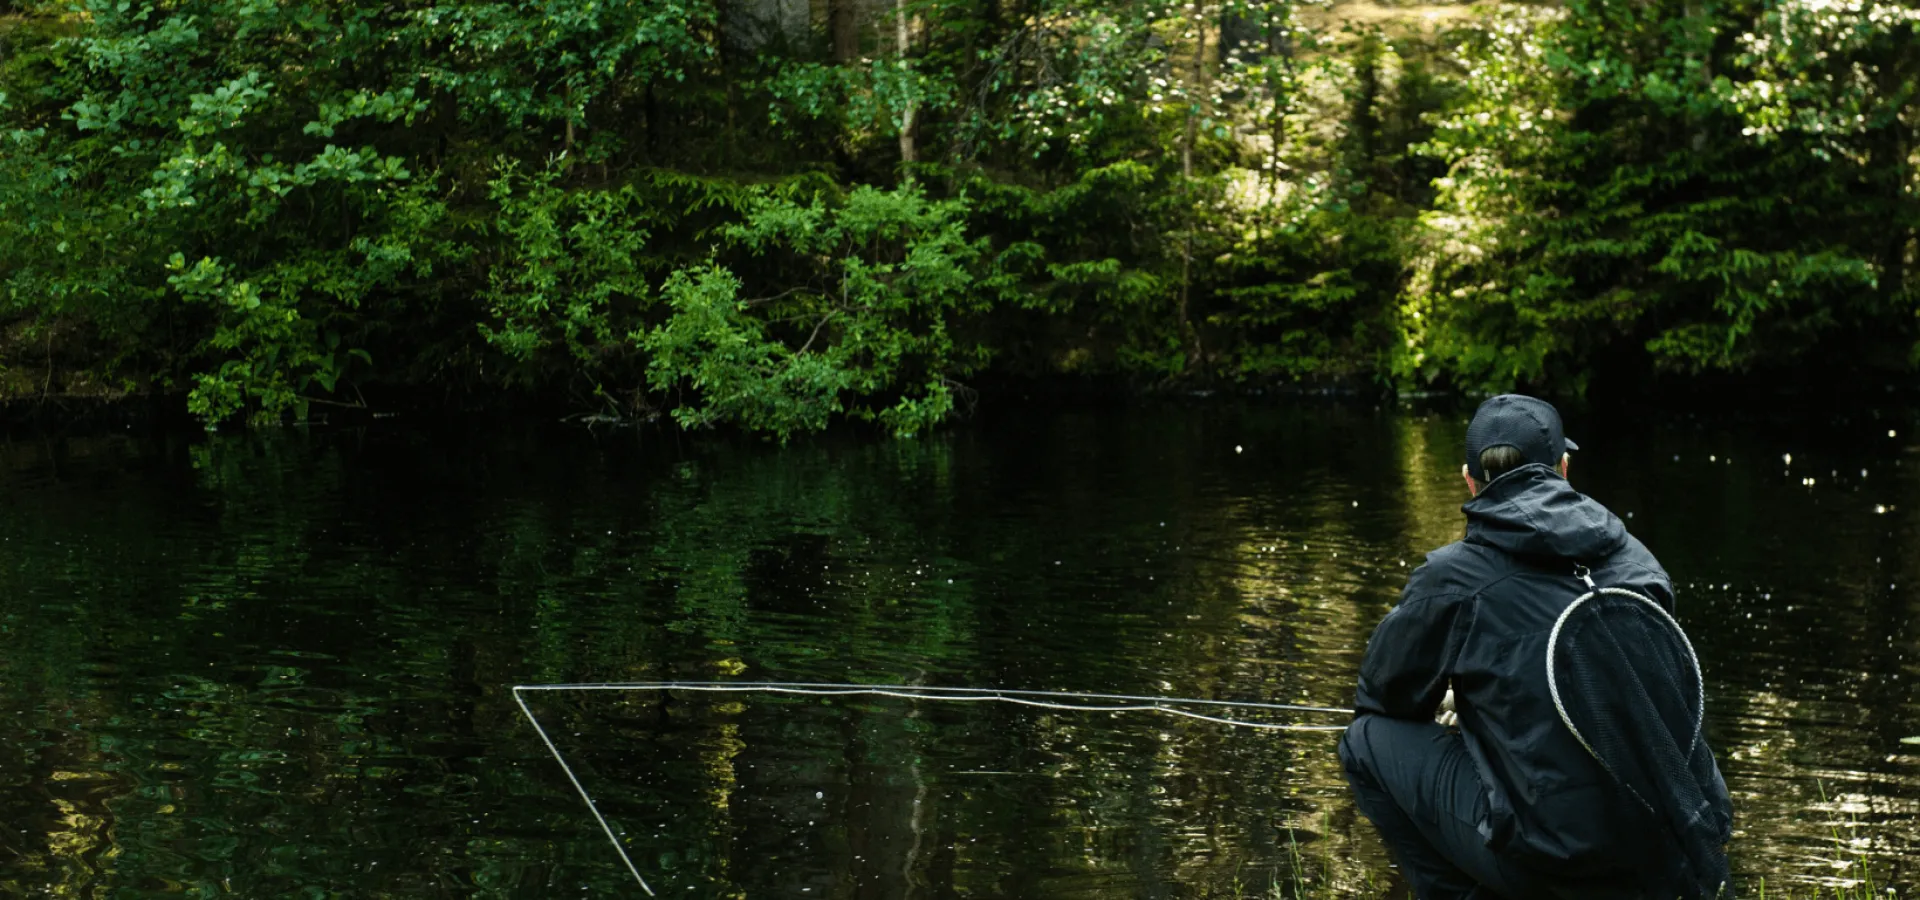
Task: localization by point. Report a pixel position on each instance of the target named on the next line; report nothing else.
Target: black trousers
(1417, 783)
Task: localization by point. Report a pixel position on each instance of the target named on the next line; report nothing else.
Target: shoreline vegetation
(1305, 879)
(774, 215)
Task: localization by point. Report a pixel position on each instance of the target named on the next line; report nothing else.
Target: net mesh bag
(1627, 684)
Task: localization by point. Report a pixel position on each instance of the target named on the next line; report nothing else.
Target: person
(1509, 803)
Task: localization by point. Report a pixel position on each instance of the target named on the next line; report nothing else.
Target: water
(276, 665)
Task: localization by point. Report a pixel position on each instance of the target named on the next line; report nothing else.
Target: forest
(777, 214)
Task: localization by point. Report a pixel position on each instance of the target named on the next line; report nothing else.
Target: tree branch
(786, 293)
(816, 332)
(361, 405)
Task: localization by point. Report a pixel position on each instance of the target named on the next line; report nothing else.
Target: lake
(278, 664)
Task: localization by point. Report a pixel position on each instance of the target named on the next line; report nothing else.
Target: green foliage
(741, 374)
(166, 142)
(707, 207)
(1606, 184)
(869, 100)
(883, 279)
(571, 261)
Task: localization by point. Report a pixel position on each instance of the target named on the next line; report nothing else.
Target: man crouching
(1513, 803)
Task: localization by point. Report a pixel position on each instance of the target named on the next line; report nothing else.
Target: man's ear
(1473, 488)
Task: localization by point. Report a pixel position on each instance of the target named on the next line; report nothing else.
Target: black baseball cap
(1527, 424)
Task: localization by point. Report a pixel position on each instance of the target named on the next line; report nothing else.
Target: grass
(1859, 889)
(1306, 880)
(1302, 885)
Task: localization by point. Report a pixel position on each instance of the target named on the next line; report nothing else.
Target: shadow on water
(276, 664)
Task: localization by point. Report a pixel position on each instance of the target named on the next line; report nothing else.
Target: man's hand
(1445, 715)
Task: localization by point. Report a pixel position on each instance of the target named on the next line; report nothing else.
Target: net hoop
(1553, 681)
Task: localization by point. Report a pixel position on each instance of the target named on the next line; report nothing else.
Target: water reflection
(276, 664)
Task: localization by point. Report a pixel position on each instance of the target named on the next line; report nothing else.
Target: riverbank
(1842, 406)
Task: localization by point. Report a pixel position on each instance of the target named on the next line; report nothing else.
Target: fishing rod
(1058, 700)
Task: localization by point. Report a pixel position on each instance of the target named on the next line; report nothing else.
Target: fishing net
(1626, 682)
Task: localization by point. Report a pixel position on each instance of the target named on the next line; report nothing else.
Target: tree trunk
(654, 125)
(902, 42)
(1279, 59)
(1196, 94)
(843, 21)
(572, 113)
(1900, 237)
(1698, 139)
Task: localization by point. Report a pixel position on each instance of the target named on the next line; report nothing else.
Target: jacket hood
(1532, 511)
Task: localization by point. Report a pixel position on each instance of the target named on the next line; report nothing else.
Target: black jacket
(1477, 615)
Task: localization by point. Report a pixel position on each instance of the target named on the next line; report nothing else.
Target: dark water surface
(277, 665)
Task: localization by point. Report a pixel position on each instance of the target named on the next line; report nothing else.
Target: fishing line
(591, 806)
(1110, 703)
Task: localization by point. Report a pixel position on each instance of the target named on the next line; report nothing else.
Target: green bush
(686, 206)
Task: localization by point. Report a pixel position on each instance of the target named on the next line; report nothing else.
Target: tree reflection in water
(277, 663)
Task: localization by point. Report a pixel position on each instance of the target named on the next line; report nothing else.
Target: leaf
(1911, 740)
